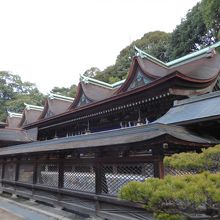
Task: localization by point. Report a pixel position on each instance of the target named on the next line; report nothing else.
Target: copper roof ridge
(120, 95)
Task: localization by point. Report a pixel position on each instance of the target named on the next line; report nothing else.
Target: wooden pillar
(3, 169)
(34, 177)
(100, 180)
(98, 175)
(35, 171)
(159, 168)
(61, 171)
(2, 175)
(158, 155)
(17, 169)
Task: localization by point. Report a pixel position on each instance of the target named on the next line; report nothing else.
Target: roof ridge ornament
(84, 79)
(14, 114)
(139, 52)
(87, 80)
(61, 97)
(208, 51)
(33, 107)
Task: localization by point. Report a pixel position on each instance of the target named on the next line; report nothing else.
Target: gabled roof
(9, 136)
(87, 80)
(81, 98)
(92, 90)
(200, 65)
(30, 114)
(55, 104)
(187, 58)
(195, 74)
(149, 93)
(13, 119)
(202, 108)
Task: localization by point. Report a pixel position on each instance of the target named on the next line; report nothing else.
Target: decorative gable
(217, 85)
(83, 100)
(49, 114)
(140, 79)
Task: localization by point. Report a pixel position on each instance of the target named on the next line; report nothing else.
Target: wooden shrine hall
(77, 153)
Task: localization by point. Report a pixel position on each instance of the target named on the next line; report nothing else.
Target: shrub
(208, 160)
(177, 197)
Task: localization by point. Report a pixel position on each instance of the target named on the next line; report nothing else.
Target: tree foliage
(211, 16)
(92, 72)
(65, 91)
(14, 92)
(154, 43)
(180, 197)
(176, 197)
(198, 29)
(208, 160)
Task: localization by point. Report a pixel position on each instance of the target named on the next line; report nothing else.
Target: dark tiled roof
(113, 138)
(9, 136)
(195, 108)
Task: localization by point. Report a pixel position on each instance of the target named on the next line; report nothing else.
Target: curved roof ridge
(97, 82)
(60, 97)
(14, 114)
(204, 51)
(143, 54)
(33, 107)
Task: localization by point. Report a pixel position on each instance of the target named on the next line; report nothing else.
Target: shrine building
(76, 153)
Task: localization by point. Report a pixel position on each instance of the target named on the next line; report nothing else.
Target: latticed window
(115, 176)
(26, 172)
(79, 177)
(9, 173)
(177, 172)
(47, 174)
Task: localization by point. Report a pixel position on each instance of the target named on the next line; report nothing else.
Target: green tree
(211, 15)
(178, 197)
(198, 29)
(91, 72)
(182, 197)
(155, 43)
(14, 92)
(65, 91)
(208, 160)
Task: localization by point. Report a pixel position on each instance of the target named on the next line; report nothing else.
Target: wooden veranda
(85, 173)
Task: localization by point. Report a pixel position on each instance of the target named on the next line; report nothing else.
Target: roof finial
(84, 79)
(139, 52)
